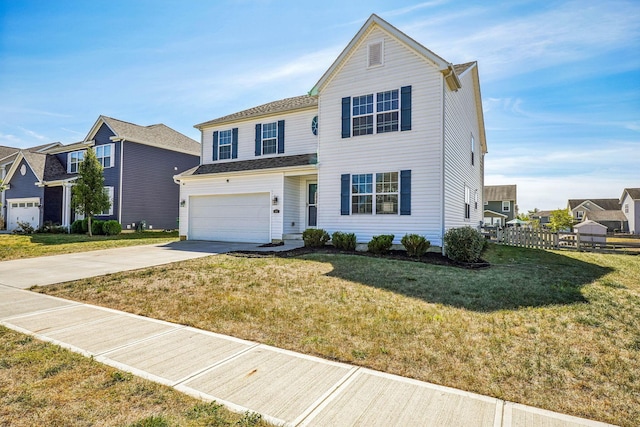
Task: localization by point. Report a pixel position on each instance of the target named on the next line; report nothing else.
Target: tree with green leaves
(87, 195)
(560, 219)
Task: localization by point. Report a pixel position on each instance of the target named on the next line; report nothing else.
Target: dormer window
(375, 54)
(74, 159)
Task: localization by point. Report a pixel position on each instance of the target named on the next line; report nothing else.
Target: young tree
(560, 219)
(88, 196)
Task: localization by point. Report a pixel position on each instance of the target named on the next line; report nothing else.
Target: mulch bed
(428, 258)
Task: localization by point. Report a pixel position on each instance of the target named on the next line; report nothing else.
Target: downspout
(120, 182)
(442, 173)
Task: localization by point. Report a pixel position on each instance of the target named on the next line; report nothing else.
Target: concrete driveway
(24, 273)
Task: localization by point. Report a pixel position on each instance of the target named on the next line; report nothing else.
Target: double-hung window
(224, 144)
(109, 192)
(387, 193)
(506, 206)
(269, 138)
(473, 150)
(387, 108)
(104, 153)
(363, 115)
(475, 200)
(75, 158)
(362, 193)
(467, 202)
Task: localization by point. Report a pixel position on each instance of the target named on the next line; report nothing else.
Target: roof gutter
(451, 78)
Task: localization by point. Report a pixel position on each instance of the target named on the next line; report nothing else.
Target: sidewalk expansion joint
(142, 340)
(43, 311)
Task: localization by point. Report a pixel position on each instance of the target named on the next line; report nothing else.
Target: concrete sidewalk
(286, 388)
(24, 273)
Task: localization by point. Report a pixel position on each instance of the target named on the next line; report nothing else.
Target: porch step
(293, 236)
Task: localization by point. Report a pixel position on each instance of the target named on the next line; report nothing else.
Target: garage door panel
(22, 210)
(237, 218)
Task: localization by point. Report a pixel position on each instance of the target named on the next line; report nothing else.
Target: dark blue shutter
(215, 145)
(234, 143)
(346, 117)
(405, 108)
(345, 192)
(280, 136)
(405, 192)
(258, 139)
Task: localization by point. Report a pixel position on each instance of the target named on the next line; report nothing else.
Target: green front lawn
(557, 330)
(13, 246)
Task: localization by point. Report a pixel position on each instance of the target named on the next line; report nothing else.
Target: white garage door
(22, 210)
(230, 218)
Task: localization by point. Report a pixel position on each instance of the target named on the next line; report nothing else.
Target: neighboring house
(139, 163)
(615, 221)
(390, 140)
(630, 203)
(500, 204)
(544, 217)
(607, 212)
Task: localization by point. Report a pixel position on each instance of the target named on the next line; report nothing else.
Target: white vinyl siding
(461, 121)
(417, 150)
(299, 139)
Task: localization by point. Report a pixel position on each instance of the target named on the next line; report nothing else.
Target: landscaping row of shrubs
(98, 227)
(463, 244)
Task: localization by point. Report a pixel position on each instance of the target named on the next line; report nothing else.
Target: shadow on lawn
(517, 278)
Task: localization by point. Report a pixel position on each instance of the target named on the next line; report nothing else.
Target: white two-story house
(390, 140)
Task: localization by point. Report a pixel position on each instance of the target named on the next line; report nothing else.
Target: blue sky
(560, 80)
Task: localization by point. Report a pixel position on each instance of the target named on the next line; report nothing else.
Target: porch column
(66, 204)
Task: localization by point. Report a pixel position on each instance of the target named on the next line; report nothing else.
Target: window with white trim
(467, 202)
(269, 138)
(362, 193)
(388, 109)
(104, 153)
(626, 208)
(109, 192)
(506, 206)
(473, 150)
(387, 193)
(363, 115)
(580, 214)
(224, 144)
(385, 112)
(74, 159)
(475, 200)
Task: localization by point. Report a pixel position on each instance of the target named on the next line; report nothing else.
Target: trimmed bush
(76, 226)
(96, 227)
(315, 237)
(415, 245)
(111, 227)
(381, 244)
(344, 241)
(463, 244)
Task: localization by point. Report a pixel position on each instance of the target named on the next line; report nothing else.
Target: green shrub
(381, 244)
(111, 227)
(76, 226)
(96, 227)
(344, 241)
(24, 228)
(415, 245)
(463, 244)
(315, 237)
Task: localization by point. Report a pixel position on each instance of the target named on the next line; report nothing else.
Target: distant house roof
(494, 193)
(612, 215)
(541, 214)
(255, 164)
(281, 106)
(634, 193)
(604, 204)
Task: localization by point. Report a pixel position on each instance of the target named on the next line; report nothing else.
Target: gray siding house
(500, 204)
(607, 212)
(630, 202)
(139, 163)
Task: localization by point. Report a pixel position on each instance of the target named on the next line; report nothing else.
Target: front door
(312, 204)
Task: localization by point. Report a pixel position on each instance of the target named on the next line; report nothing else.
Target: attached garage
(231, 218)
(23, 210)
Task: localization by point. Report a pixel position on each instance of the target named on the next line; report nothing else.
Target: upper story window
(475, 200)
(506, 206)
(388, 111)
(224, 144)
(473, 150)
(104, 153)
(74, 159)
(580, 214)
(270, 138)
(626, 208)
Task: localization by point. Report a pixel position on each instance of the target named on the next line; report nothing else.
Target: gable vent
(375, 54)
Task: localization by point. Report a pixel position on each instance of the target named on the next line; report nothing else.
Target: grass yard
(14, 246)
(557, 330)
(45, 385)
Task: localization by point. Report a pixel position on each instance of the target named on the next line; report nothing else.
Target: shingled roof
(158, 135)
(6, 152)
(613, 215)
(605, 204)
(281, 106)
(461, 68)
(46, 167)
(634, 193)
(493, 193)
(254, 164)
